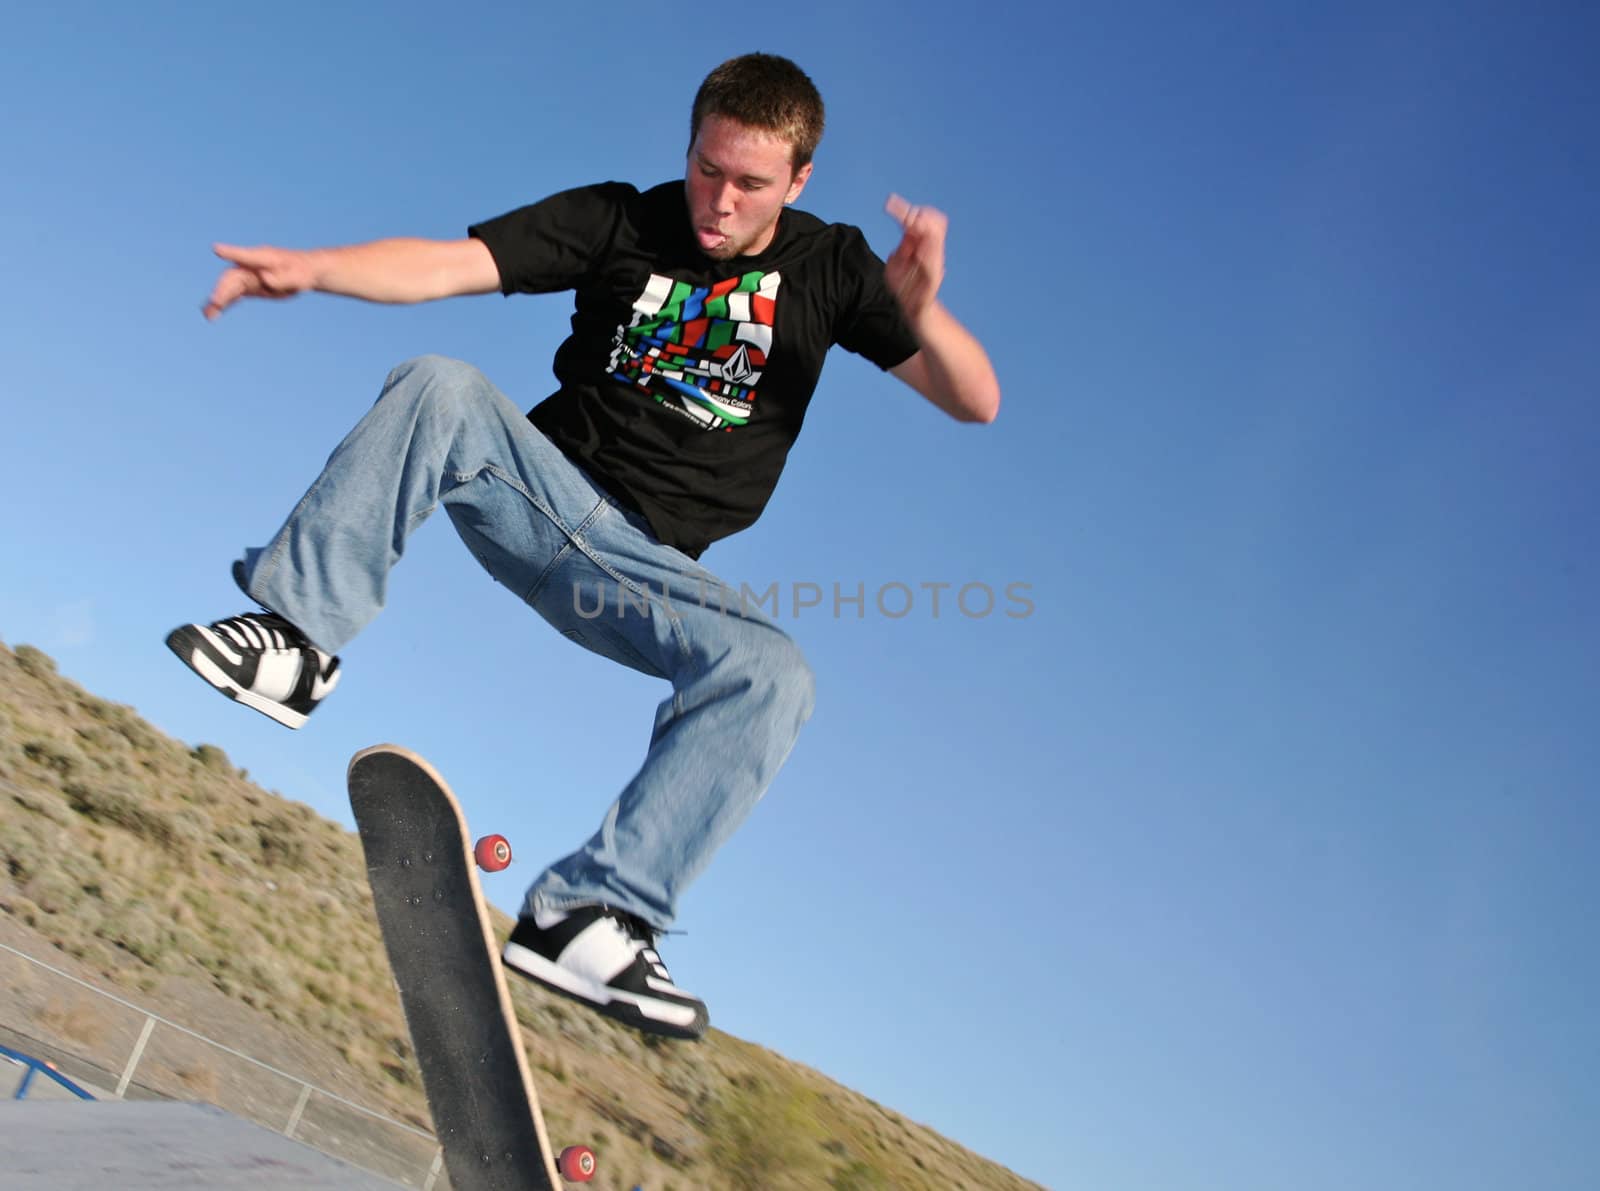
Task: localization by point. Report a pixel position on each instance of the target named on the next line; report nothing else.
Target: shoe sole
(192, 650)
(668, 1018)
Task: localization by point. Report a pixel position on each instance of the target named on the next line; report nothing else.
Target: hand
(915, 270)
(259, 273)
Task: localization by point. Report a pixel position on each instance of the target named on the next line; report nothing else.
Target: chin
(727, 250)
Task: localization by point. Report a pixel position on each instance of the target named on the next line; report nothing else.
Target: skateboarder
(703, 310)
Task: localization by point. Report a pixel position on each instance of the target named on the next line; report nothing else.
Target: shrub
(59, 756)
(860, 1176)
(53, 891)
(209, 756)
(762, 1136)
(282, 843)
(46, 803)
(140, 932)
(116, 808)
(35, 662)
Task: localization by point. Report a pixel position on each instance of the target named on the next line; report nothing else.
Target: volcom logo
(737, 368)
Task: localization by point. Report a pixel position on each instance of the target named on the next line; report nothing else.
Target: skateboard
(442, 951)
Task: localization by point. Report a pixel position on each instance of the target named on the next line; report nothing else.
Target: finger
(928, 226)
(231, 286)
(253, 258)
(905, 276)
(221, 298)
(921, 249)
(910, 216)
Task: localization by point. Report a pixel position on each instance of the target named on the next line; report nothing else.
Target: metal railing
(32, 1067)
(317, 1117)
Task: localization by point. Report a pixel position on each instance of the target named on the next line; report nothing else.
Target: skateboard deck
(442, 951)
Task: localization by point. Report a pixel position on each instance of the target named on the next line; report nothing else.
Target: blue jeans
(440, 433)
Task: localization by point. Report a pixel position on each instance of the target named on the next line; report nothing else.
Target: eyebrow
(747, 178)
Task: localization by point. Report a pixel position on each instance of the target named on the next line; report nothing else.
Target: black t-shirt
(685, 380)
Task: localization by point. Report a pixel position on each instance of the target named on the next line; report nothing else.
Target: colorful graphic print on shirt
(700, 351)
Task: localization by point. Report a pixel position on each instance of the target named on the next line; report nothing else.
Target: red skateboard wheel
(492, 853)
(577, 1164)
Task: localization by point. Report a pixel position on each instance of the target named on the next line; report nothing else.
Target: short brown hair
(767, 92)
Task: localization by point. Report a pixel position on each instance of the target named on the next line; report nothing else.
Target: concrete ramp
(139, 1146)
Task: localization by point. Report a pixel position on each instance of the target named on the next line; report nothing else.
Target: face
(739, 179)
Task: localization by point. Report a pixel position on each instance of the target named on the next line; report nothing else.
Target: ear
(799, 183)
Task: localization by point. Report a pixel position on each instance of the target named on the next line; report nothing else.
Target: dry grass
(75, 1018)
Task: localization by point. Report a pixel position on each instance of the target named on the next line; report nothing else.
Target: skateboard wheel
(492, 853)
(577, 1164)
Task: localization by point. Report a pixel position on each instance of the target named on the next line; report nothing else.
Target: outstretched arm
(951, 370)
(403, 270)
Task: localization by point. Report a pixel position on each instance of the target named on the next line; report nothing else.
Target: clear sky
(1262, 852)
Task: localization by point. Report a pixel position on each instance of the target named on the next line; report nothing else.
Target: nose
(723, 198)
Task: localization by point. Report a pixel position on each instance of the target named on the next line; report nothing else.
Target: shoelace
(643, 936)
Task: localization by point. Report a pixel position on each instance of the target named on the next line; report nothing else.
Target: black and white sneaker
(607, 959)
(261, 660)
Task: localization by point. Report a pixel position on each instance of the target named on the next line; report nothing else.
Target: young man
(703, 311)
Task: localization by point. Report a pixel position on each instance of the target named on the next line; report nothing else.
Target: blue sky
(1261, 853)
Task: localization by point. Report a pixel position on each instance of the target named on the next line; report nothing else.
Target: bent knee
(435, 369)
(790, 677)
(436, 386)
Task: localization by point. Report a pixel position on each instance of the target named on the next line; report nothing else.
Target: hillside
(160, 871)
